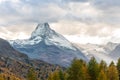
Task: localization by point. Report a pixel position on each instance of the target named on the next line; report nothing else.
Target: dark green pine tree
(118, 67)
(61, 75)
(93, 69)
(74, 71)
(103, 66)
(102, 71)
(77, 71)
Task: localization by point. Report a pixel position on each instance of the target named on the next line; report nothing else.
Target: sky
(80, 21)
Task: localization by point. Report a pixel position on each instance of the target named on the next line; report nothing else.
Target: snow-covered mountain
(110, 46)
(47, 45)
(100, 52)
(115, 54)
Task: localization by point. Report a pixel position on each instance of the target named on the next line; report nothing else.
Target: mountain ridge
(14, 64)
(100, 52)
(47, 45)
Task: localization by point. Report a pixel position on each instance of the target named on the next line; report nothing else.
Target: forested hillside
(16, 70)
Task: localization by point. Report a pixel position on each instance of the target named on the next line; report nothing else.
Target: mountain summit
(41, 30)
(47, 45)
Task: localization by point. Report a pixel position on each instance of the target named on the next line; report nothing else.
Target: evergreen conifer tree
(118, 67)
(93, 69)
(112, 72)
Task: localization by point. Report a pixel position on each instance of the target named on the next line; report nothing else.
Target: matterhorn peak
(47, 45)
(42, 29)
(42, 26)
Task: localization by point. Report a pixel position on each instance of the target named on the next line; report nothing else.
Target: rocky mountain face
(9, 52)
(47, 45)
(14, 64)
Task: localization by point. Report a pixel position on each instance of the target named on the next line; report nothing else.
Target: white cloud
(86, 20)
(97, 33)
(13, 1)
(83, 9)
(83, 39)
(21, 31)
(70, 27)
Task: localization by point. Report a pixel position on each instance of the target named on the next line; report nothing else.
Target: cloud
(78, 28)
(110, 10)
(88, 39)
(106, 4)
(88, 18)
(25, 11)
(79, 32)
(21, 31)
(16, 11)
(75, 0)
(13, 1)
(83, 12)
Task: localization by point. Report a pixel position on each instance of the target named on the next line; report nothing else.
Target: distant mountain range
(115, 54)
(47, 45)
(108, 52)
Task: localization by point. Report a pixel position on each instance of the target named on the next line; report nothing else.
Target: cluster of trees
(32, 75)
(8, 77)
(80, 70)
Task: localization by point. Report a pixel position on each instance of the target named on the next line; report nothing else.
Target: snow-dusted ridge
(44, 32)
(100, 52)
(47, 45)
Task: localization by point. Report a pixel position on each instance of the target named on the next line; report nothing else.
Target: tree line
(80, 70)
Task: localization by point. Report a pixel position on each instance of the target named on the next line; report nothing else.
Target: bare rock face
(6, 50)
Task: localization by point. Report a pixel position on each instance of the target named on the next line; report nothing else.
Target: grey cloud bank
(93, 18)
